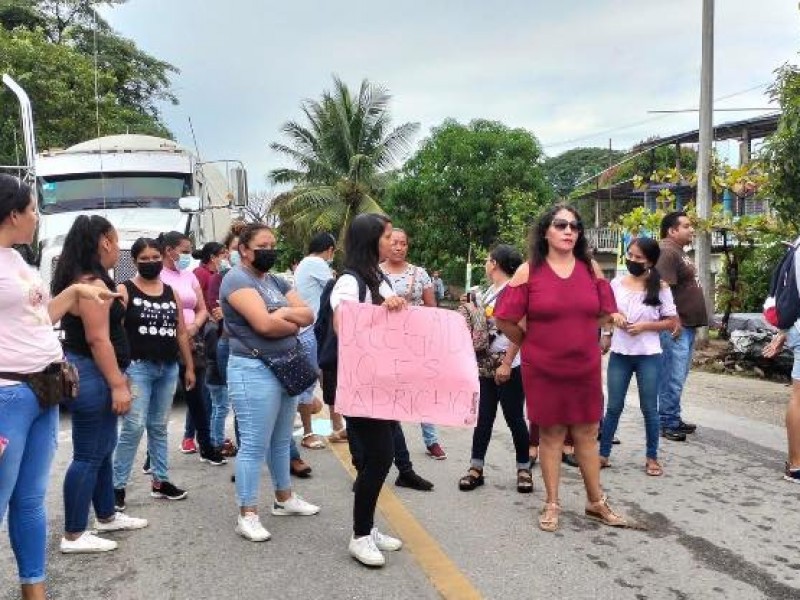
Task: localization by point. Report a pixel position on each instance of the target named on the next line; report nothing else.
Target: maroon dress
(561, 369)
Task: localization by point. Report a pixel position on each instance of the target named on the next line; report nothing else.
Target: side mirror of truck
(189, 204)
(240, 192)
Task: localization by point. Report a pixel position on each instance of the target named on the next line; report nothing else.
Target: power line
(645, 121)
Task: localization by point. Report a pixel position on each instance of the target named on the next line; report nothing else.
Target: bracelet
(607, 333)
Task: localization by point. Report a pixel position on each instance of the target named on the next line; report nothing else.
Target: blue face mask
(184, 262)
(224, 266)
(236, 259)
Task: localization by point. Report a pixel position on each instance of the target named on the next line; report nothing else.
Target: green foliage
(569, 168)
(48, 47)
(661, 159)
(452, 194)
(753, 277)
(782, 148)
(343, 155)
(60, 83)
(516, 211)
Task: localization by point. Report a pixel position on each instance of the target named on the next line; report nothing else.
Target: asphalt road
(720, 524)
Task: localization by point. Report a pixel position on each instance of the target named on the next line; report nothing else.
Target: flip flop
(315, 444)
(338, 437)
(653, 469)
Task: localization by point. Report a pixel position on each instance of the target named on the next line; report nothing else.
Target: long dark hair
(79, 256)
(361, 248)
(15, 195)
(651, 251)
(538, 239)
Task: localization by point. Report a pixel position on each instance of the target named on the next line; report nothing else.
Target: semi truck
(143, 185)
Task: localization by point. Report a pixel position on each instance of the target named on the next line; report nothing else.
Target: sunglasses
(562, 224)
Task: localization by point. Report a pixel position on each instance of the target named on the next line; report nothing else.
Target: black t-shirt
(75, 335)
(151, 323)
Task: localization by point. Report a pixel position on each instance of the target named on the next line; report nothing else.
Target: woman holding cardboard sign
(560, 352)
(369, 238)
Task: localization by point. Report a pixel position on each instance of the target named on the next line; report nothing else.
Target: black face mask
(264, 259)
(636, 269)
(150, 270)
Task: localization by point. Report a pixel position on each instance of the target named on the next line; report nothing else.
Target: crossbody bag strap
(232, 334)
(410, 290)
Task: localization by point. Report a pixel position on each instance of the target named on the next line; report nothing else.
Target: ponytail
(653, 288)
(79, 255)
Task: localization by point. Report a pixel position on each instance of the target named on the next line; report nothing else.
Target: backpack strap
(362, 285)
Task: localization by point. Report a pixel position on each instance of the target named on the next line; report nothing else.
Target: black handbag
(57, 383)
(291, 368)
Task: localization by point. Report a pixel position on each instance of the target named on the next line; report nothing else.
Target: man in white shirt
(310, 277)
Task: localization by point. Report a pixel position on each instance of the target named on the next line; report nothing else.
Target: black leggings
(511, 398)
(196, 405)
(375, 438)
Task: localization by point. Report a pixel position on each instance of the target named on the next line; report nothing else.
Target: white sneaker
(294, 506)
(121, 522)
(364, 550)
(385, 542)
(249, 527)
(86, 544)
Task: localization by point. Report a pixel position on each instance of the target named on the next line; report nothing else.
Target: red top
(560, 352)
(204, 278)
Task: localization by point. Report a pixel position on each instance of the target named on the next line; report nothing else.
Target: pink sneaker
(188, 446)
(436, 452)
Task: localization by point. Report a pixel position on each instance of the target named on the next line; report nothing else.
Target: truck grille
(124, 270)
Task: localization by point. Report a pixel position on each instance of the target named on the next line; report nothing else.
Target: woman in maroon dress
(551, 308)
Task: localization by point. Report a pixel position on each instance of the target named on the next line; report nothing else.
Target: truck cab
(143, 185)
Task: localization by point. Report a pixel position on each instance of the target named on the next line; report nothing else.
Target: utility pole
(702, 255)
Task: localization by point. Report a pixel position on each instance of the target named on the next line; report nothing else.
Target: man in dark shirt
(678, 271)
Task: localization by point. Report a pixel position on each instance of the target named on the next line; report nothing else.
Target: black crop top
(151, 323)
(75, 335)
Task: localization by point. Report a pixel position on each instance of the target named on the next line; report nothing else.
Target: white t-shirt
(346, 288)
(500, 342)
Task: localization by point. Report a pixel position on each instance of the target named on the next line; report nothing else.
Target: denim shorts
(793, 343)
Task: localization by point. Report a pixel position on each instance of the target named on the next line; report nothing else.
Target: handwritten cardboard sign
(413, 365)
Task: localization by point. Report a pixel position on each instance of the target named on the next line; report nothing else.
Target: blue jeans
(308, 343)
(152, 388)
(676, 359)
(220, 406)
(89, 478)
(32, 434)
(621, 368)
(266, 418)
(429, 434)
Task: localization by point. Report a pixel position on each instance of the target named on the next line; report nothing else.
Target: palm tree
(342, 157)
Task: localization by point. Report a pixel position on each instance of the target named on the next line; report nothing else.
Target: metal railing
(606, 240)
(603, 239)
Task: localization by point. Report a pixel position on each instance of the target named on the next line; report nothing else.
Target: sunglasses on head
(562, 224)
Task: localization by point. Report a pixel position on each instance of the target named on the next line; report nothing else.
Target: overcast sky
(573, 72)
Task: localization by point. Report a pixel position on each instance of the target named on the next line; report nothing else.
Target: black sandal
(524, 481)
(473, 479)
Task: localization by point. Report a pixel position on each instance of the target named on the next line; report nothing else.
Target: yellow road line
(445, 576)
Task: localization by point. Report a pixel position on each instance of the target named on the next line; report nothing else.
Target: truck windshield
(61, 193)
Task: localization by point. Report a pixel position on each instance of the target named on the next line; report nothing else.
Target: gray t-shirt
(273, 290)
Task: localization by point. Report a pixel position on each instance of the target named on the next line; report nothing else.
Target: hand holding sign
(412, 365)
